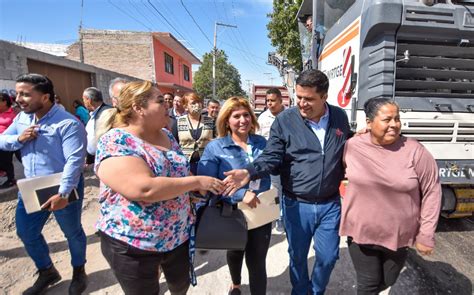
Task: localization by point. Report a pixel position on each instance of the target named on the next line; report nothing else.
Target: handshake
(234, 180)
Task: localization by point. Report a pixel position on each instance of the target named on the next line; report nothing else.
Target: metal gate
(68, 83)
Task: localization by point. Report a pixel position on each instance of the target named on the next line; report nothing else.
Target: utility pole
(214, 53)
(81, 45)
(248, 85)
(269, 77)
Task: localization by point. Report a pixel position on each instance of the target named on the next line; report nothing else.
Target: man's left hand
(55, 203)
(235, 179)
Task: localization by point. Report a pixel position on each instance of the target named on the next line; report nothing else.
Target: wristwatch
(63, 196)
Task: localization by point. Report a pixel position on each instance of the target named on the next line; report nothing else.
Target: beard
(32, 108)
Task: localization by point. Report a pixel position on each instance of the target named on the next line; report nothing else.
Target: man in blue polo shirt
(305, 147)
(51, 140)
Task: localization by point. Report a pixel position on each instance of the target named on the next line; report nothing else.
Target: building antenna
(81, 45)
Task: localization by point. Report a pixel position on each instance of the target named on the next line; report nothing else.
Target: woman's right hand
(423, 250)
(251, 199)
(210, 184)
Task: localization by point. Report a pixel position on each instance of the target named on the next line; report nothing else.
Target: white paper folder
(267, 211)
(36, 191)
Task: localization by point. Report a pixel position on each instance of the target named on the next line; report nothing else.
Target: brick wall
(130, 53)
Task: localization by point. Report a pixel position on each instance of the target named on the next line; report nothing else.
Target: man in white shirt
(274, 103)
(275, 106)
(93, 101)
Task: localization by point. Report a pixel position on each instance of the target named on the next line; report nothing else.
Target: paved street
(448, 271)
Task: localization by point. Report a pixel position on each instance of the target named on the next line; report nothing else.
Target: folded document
(267, 211)
(37, 190)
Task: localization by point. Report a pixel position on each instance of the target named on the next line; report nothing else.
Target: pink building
(173, 63)
(157, 56)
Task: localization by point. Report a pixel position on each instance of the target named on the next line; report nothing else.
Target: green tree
(227, 78)
(283, 31)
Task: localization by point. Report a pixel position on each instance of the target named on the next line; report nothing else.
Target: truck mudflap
(457, 201)
(457, 179)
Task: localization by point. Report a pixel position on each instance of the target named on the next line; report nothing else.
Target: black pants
(377, 267)
(6, 164)
(255, 252)
(137, 270)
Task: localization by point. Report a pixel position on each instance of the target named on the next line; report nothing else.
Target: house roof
(50, 48)
(172, 43)
(174, 86)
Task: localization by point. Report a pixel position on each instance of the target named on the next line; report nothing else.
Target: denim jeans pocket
(332, 215)
(289, 202)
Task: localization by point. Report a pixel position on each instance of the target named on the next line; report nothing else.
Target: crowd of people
(168, 149)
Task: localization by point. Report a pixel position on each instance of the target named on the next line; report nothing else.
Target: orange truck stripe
(337, 43)
(349, 28)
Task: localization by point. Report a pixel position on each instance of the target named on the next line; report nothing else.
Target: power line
(129, 15)
(176, 30)
(189, 13)
(246, 52)
(157, 13)
(178, 23)
(253, 64)
(140, 13)
(154, 15)
(240, 42)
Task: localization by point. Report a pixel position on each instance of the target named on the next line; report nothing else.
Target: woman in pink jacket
(392, 201)
(6, 158)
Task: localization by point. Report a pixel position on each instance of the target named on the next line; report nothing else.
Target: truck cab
(419, 53)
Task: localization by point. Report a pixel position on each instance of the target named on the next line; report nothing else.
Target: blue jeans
(306, 221)
(29, 227)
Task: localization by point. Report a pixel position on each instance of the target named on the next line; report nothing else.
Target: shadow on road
(465, 224)
(97, 281)
(213, 260)
(342, 280)
(424, 277)
(53, 248)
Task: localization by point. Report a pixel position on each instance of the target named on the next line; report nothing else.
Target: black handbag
(220, 226)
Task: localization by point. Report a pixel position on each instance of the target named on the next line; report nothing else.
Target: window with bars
(169, 67)
(186, 72)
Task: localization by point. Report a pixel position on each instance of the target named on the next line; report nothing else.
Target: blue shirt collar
(49, 114)
(323, 119)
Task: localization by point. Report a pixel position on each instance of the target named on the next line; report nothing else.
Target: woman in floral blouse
(145, 217)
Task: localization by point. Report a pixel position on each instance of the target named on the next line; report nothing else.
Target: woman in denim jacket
(236, 147)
